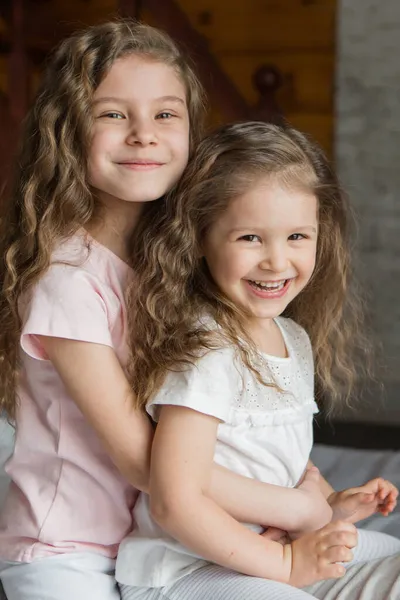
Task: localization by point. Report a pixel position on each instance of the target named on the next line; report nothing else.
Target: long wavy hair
(174, 287)
(51, 198)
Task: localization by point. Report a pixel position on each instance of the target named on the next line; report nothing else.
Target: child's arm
(96, 382)
(303, 508)
(182, 458)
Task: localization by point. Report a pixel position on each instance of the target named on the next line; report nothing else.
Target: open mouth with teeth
(269, 287)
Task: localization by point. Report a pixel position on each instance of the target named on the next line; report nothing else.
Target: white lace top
(265, 433)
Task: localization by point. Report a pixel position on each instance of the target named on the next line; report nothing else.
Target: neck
(267, 336)
(259, 329)
(116, 225)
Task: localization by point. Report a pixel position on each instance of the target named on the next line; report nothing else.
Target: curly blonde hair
(51, 198)
(174, 287)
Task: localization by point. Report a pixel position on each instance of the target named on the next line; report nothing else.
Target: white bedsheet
(342, 467)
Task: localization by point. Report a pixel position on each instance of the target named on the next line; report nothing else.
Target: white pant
(82, 576)
(369, 576)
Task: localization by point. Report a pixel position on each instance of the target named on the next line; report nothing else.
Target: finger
(374, 485)
(332, 571)
(371, 486)
(383, 493)
(339, 538)
(384, 488)
(387, 507)
(338, 554)
(390, 500)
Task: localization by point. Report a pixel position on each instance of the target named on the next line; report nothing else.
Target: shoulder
(225, 358)
(213, 369)
(81, 268)
(68, 301)
(64, 283)
(84, 254)
(222, 356)
(208, 386)
(70, 262)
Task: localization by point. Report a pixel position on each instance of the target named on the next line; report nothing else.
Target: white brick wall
(368, 159)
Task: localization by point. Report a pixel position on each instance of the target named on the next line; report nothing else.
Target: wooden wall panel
(86, 12)
(257, 25)
(307, 78)
(296, 36)
(318, 126)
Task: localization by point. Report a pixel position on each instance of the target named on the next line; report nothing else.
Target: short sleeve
(67, 302)
(209, 386)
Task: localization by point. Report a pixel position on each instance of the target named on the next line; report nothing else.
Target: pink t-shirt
(66, 495)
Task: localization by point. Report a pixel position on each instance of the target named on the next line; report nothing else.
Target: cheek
(183, 152)
(234, 265)
(102, 145)
(308, 263)
(94, 151)
(179, 141)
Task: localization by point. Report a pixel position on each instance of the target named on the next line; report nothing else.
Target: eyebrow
(308, 227)
(175, 99)
(253, 228)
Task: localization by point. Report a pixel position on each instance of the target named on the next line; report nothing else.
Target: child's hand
(355, 504)
(316, 555)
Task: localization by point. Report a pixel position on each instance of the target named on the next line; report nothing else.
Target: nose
(142, 133)
(274, 258)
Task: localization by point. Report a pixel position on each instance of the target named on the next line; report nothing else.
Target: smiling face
(261, 251)
(140, 137)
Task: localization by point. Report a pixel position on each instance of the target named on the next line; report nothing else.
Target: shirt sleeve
(209, 386)
(67, 302)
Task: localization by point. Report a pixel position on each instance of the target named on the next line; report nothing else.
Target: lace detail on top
(294, 376)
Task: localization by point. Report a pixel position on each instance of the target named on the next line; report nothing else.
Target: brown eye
(250, 238)
(297, 236)
(113, 115)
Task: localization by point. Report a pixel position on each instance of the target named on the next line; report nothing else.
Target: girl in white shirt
(240, 281)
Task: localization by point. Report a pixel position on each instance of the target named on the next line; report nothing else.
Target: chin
(142, 198)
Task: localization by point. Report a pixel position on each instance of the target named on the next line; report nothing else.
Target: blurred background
(330, 67)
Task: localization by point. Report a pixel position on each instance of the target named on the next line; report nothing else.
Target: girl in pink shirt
(108, 132)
